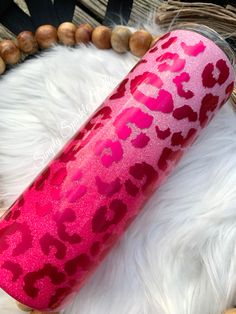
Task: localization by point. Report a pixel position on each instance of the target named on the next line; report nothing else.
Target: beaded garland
(120, 39)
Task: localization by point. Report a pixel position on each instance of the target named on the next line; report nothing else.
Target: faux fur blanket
(179, 256)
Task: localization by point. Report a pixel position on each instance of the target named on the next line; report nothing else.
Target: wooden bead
(27, 42)
(2, 66)
(140, 42)
(83, 33)
(23, 307)
(10, 53)
(155, 39)
(101, 37)
(46, 36)
(66, 33)
(120, 39)
(230, 311)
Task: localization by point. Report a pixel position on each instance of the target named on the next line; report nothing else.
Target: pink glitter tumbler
(66, 221)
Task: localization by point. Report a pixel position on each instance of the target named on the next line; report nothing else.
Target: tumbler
(63, 225)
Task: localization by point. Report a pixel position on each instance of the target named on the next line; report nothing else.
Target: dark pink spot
(102, 114)
(178, 139)
(193, 50)
(120, 90)
(69, 153)
(168, 155)
(163, 134)
(154, 49)
(208, 78)
(48, 241)
(21, 201)
(24, 238)
(140, 141)
(145, 173)
(31, 279)
(62, 219)
(185, 112)
(108, 188)
(169, 42)
(59, 177)
(16, 214)
(209, 104)
(131, 188)
(14, 268)
(95, 248)
(229, 88)
(81, 262)
(101, 221)
(179, 80)
(39, 183)
(165, 36)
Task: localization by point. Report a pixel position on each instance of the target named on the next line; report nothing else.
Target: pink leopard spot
(59, 177)
(163, 102)
(31, 279)
(108, 188)
(120, 90)
(185, 112)
(101, 222)
(39, 184)
(145, 174)
(169, 155)
(194, 50)
(163, 134)
(129, 116)
(179, 80)
(209, 104)
(175, 64)
(24, 239)
(169, 42)
(154, 49)
(62, 219)
(109, 152)
(208, 78)
(140, 141)
(179, 139)
(229, 88)
(15, 269)
(48, 241)
(165, 36)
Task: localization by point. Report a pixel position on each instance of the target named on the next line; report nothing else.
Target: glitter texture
(64, 224)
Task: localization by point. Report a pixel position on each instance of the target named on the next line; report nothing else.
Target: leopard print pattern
(67, 220)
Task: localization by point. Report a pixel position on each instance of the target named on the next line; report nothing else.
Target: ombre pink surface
(63, 225)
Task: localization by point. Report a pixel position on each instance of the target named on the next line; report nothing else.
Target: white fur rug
(179, 256)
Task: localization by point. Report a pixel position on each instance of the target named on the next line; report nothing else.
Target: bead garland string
(120, 39)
